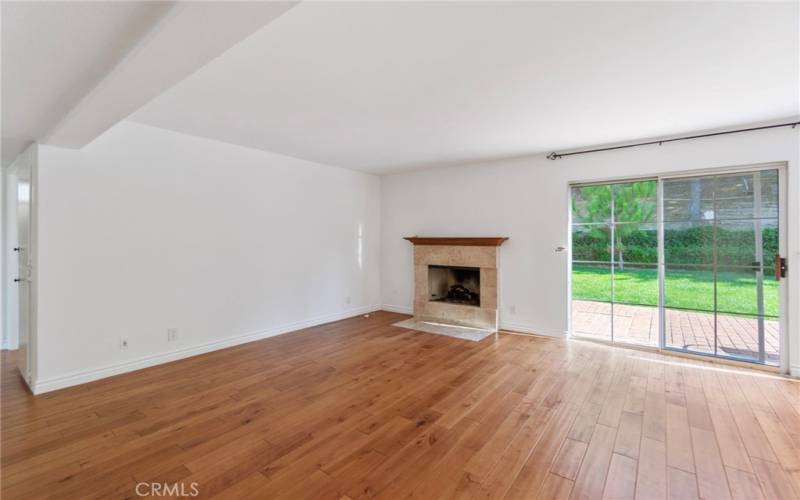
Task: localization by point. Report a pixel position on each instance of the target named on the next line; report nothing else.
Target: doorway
(680, 263)
(24, 268)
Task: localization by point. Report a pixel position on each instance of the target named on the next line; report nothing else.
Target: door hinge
(780, 267)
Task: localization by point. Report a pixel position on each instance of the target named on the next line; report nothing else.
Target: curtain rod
(556, 156)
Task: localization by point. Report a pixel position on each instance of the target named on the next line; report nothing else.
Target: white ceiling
(53, 53)
(71, 70)
(382, 87)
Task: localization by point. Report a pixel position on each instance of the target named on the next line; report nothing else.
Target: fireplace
(455, 285)
(455, 280)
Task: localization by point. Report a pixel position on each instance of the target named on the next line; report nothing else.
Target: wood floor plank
(555, 487)
(679, 439)
(651, 481)
(655, 410)
(752, 434)
(783, 446)
(535, 471)
(786, 413)
(773, 480)
(730, 443)
(594, 469)
(681, 485)
(443, 478)
(629, 435)
(711, 479)
(621, 481)
(360, 409)
(569, 458)
(514, 457)
(744, 485)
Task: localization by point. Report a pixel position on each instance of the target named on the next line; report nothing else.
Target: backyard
(713, 233)
(684, 289)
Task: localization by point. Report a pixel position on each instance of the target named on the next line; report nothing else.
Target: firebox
(454, 284)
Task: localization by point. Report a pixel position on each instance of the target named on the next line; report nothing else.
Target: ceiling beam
(190, 35)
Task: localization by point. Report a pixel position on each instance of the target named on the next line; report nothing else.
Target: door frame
(27, 159)
(783, 226)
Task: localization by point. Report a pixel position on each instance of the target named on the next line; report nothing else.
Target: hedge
(681, 246)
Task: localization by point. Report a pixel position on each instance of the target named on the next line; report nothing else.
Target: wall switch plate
(123, 343)
(172, 334)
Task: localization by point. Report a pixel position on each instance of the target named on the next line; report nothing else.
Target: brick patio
(737, 336)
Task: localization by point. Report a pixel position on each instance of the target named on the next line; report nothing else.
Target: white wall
(147, 229)
(526, 199)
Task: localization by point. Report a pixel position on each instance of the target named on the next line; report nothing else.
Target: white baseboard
(794, 371)
(82, 377)
(516, 327)
(398, 309)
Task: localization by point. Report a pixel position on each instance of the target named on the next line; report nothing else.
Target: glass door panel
(615, 261)
(689, 293)
(591, 261)
(719, 231)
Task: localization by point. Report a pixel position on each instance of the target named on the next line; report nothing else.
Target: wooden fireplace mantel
(494, 241)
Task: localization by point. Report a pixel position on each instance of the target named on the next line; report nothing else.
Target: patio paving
(737, 336)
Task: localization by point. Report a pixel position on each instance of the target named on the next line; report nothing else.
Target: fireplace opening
(454, 284)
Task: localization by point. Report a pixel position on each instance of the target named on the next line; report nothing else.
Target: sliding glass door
(721, 237)
(679, 263)
(615, 261)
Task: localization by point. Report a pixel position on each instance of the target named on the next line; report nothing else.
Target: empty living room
(394, 250)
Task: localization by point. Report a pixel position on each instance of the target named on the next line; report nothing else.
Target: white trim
(398, 309)
(783, 215)
(784, 306)
(516, 327)
(82, 377)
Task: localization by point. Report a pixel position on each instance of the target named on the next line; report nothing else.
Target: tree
(634, 204)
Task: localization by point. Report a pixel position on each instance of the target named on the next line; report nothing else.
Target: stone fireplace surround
(483, 253)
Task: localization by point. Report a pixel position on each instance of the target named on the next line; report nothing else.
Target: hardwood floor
(359, 409)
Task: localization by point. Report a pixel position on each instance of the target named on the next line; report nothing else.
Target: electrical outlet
(512, 309)
(347, 300)
(123, 344)
(172, 334)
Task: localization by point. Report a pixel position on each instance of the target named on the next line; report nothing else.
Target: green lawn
(736, 292)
